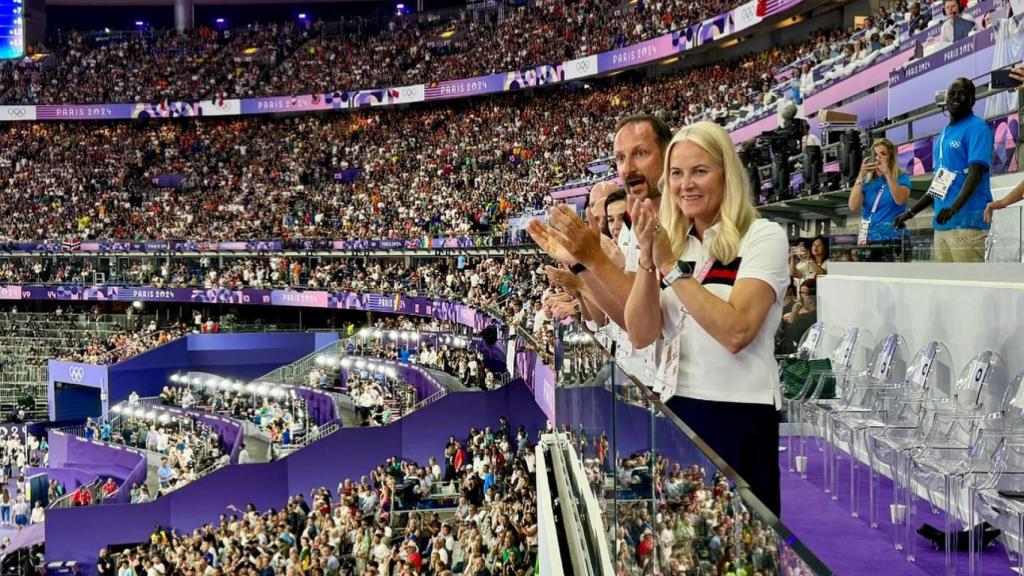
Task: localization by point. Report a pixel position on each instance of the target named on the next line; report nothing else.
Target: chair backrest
(979, 391)
(982, 384)
(1008, 456)
(922, 369)
(844, 353)
(811, 342)
(887, 359)
(1013, 405)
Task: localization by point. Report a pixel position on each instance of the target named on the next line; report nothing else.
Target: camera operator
(810, 145)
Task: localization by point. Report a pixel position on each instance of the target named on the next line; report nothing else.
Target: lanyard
(942, 147)
(708, 265)
(878, 198)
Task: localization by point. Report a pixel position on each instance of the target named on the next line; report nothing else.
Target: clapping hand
(580, 240)
(655, 248)
(563, 278)
(608, 246)
(559, 305)
(548, 240)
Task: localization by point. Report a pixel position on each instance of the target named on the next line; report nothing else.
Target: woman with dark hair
(615, 214)
(807, 264)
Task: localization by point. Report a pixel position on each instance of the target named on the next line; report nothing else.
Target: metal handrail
(429, 400)
(320, 433)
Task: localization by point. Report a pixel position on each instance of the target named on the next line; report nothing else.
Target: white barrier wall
(969, 307)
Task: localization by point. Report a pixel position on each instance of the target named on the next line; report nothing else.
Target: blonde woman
(716, 276)
(880, 195)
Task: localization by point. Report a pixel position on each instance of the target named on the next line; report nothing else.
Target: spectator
(38, 513)
(21, 511)
(5, 507)
(709, 220)
(82, 496)
(165, 473)
(615, 213)
(954, 28)
(109, 487)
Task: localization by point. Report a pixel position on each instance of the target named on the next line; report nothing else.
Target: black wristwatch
(683, 269)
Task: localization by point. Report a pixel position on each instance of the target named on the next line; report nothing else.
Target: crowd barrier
(391, 303)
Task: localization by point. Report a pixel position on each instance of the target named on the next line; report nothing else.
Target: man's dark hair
(662, 132)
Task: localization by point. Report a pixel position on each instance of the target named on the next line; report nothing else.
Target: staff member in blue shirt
(961, 187)
(880, 194)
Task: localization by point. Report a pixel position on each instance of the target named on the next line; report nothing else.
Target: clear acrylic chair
(997, 482)
(849, 358)
(911, 414)
(888, 410)
(953, 423)
(882, 378)
(811, 346)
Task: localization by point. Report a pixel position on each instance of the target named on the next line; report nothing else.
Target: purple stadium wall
(79, 533)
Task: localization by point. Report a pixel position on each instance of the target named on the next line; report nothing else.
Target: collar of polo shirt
(710, 231)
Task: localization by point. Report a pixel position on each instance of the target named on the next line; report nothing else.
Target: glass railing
(919, 242)
(669, 504)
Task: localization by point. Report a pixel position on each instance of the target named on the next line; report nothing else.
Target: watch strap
(683, 269)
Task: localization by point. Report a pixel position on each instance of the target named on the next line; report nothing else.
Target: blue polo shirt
(968, 141)
(881, 228)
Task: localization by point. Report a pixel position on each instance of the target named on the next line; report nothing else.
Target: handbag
(796, 372)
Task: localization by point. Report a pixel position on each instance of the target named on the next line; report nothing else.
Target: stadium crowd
(701, 527)
(280, 416)
(287, 58)
(126, 343)
(351, 530)
(378, 399)
(427, 170)
(188, 447)
(463, 179)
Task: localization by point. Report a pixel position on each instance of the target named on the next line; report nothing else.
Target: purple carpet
(848, 545)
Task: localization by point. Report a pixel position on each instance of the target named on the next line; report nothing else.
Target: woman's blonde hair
(737, 211)
(894, 168)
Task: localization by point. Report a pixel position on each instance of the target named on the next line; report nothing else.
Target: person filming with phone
(880, 194)
(961, 188)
